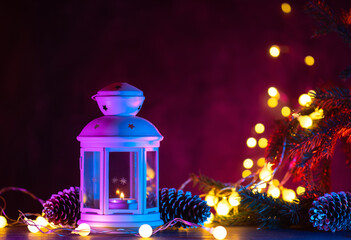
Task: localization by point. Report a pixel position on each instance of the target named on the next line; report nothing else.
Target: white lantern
(119, 162)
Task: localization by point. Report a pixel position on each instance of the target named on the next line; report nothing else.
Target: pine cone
(175, 204)
(332, 212)
(63, 208)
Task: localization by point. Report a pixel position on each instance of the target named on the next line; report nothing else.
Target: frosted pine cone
(63, 207)
(177, 204)
(332, 212)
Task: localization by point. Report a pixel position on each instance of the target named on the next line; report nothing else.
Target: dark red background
(204, 68)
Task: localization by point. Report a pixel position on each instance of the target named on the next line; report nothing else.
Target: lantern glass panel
(151, 176)
(91, 186)
(122, 180)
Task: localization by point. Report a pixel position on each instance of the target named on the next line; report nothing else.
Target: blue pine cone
(177, 204)
(332, 212)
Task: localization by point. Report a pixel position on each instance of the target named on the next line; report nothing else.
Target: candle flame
(117, 192)
(122, 196)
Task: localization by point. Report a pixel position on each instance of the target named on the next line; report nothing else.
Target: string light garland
(41, 225)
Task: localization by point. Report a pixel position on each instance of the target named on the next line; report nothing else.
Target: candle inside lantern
(122, 202)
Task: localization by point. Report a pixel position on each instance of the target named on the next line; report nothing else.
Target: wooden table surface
(234, 233)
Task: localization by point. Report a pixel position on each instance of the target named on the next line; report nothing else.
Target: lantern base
(121, 220)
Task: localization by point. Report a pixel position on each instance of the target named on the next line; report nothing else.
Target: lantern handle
(93, 97)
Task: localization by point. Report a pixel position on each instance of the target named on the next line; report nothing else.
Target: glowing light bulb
(265, 174)
(248, 163)
(273, 92)
(275, 182)
(288, 195)
(317, 114)
(42, 221)
(246, 173)
(33, 228)
(305, 100)
(3, 222)
(219, 233)
(209, 219)
(150, 173)
(311, 93)
(300, 190)
(145, 230)
(272, 102)
(286, 8)
(262, 142)
(259, 128)
(274, 192)
(274, 51)
(262, 185)
(261, 162)
(211, 200)
(285, 111)
(83, 229)
(305, 121)
(223, 207)
(309, 60)
(251, 142)
(234, 199)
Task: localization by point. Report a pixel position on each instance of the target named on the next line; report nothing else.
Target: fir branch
(335, 98)
(326, 20)
(206, 183)
(276, 142)
(244, 217)
(270, 209)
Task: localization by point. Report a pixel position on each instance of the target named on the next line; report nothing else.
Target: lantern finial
(119, 99)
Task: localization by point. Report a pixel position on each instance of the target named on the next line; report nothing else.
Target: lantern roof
(120, 126)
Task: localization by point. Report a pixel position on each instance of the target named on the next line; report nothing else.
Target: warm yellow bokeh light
(285, 111)
(288, 195)
(309, 60)
(223, 207)
(273, 191)
(262, 142)
(274, 50)
(273, 92)
(311, 93)
(83, 229)
(246, 173)
(286, 8)
(145, 231)
(262, 185)
(209, 219)
(219, 233)
(272, 102)
(300, 190)
(42, 221)
(261, 162)
(275, 182)
(211, 200)
(259, 128)
(265, 174)
(248, 163)
(33, 228)
(305, 100)
(305, 121)
(3, 222)
(317, 114)
(251, 142)
(234, 199)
